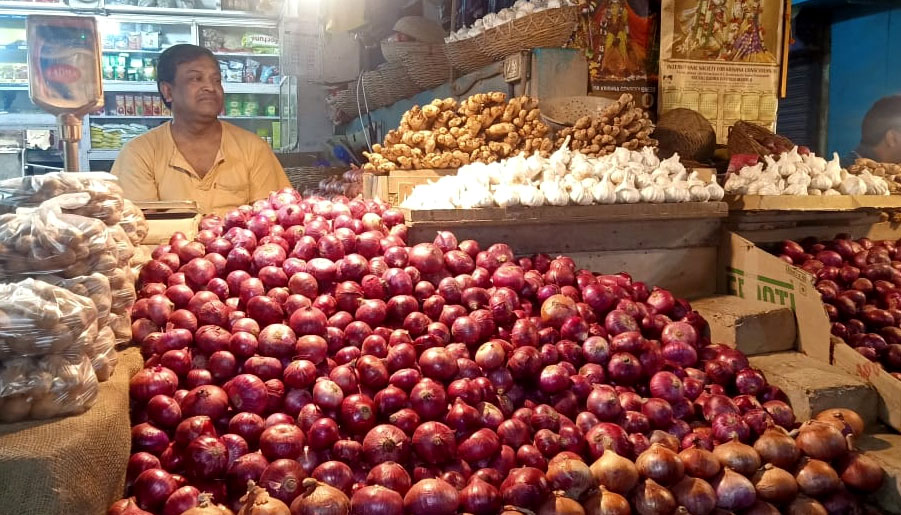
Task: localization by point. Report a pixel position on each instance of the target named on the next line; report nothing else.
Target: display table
(75, 464)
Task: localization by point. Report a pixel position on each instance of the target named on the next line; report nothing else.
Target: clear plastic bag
(50, 386)
(37, 318)
(102, 353)
(94, 286)
(121, 326)
(123, 299)
(105, 197)
(134, 223)
(125, 249)
(47, 241)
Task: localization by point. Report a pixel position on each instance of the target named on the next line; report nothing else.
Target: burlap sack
(73, 465)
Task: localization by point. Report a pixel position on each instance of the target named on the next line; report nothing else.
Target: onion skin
(660, 464)
(617, 474)
(570, 476)
(696, 495)
(700, 463)
(558, 503)
(376, 500)
(816, 478)
(649, 498)
(821, 440)
(840, 416)
(606, 502)
(777, 447)
(761, 508)
(774, 485)
(480, 498)
(737, 456)
(805, 506)
(734, 491)
(431, 497)
(257, 501)
(861, 473)
(320, 499)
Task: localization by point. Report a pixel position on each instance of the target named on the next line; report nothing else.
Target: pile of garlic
(803, 174)
(566, 178)
(491, 20)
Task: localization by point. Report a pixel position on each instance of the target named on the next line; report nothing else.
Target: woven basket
(745, 137)
(466, 56)
(565, 111)
(425, 63)
(549, 28)
(344, 104)
(386, 85)
(303, 178)
(687, 133)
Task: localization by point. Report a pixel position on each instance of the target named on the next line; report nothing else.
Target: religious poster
(723, 59)
(621, 43)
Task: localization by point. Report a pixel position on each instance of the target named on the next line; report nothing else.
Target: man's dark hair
(884, 116)
(174, 56)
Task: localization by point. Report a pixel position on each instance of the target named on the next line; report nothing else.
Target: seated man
(196, 156)
(880, 133)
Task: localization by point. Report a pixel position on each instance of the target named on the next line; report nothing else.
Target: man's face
(197, 89)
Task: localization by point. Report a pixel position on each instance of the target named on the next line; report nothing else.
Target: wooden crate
(395, 187)
(669, 245)
(812, 203)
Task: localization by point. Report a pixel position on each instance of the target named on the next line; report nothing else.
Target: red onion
(431, 497)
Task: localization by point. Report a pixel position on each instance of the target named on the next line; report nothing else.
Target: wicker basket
(562, 112)
(344, 104)
(466, 56)
(303, 178)
(386, 85)
(687, 133)
(745, 138)
(425, 63)
(549, 28)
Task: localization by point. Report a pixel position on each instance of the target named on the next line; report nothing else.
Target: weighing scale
(64, 74)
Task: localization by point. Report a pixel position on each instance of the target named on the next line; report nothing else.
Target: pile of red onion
(860, 283)
(302, 345)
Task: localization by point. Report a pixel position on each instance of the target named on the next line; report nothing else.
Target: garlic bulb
(677, 193)
(554, 193)
(736, 185)
(589, 183)
(579, 196)
(604, 192)
(715, 190)
(653, 194)
(831, 192)
(815, 192)
(799, 178)
(769, 189)
(506, 195)
(698, 193)
(626, 192)
(531, 196)
(821, 182)
(852, 185)
(795, 189)
(643, 180)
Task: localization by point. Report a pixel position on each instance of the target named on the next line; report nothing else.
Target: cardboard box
(749, 325)
(751, 273)
(889, 388)
(886, 449)
(161, 227)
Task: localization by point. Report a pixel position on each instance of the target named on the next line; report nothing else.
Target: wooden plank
(811, 203)
(395, 187)
(580, 236)
(567, 214)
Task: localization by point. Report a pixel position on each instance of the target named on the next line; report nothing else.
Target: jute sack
(73, 465)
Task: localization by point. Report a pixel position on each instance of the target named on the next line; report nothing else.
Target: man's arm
(134, 169)
(266, 173)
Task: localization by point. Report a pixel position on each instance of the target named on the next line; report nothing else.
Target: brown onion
(816, 478)
(649, 498)
(821, 440)
(665, 439)
(734, 491)
(806, 506)
(700, 463)
(737, 456)
(861, 473)
(569, 475)
(761, 508)
(614, 472)
(841, 417)
(777, 447)
(696, 495)
(558, 503)
(320, 499)
(774, 484)
(660, 464)
(257, 501)
(606, 502)
(206, 507)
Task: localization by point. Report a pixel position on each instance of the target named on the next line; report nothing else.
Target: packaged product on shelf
(97, 195)
(260, 43)
(250, 107)
(47, 241)
(40, 319)
(235, 71)
(269, 74)
(147, 101)
(233, 106)
(157, 105)
(120, 105)
(47, 387)
(251, 69)
(129, 105)
(150, 40)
